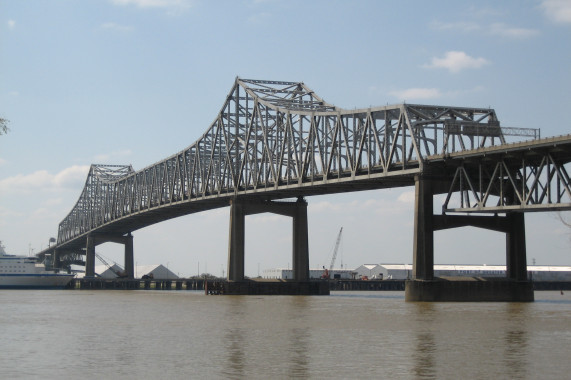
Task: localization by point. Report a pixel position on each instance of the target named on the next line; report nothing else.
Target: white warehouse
(404, 271)
(287, 274)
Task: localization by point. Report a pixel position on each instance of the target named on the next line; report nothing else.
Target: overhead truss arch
(274, 136)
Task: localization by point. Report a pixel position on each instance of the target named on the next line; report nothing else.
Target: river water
(112, 334)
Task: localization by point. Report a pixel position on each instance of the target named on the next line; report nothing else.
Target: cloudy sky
(135, 81)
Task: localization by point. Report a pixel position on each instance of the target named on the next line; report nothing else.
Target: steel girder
(270, 137)
(101, 189)
(517, 178)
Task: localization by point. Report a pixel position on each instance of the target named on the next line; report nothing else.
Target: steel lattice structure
(523, 177)
(276, 140)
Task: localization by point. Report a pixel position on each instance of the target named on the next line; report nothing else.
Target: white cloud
(557, 10)
(259, 18)
(463, 26)
(71, 177)
(503, 30)
(495, 29)
(54, 202)
(456, 61)
(113, 156)
(11, 24)
(265, 218)
(416, 93)
(116, 27)
(2, 161)
(324, 206)
(485, 12)
(380, 206)
(407, 197)
(172, 6)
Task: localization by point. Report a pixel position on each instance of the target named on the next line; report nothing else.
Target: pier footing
(468, 289)
(274, 287)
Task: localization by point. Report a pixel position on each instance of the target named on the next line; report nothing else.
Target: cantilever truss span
(528, 176)
(276, 140)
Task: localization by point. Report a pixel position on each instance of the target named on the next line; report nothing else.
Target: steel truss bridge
(276, 140)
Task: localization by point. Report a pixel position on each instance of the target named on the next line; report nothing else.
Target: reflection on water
(175, 335)
(234, 366)
(298, 345)
(299, 336)
(424, 361)
(516, 339)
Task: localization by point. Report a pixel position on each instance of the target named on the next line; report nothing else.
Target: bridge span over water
(274, 143)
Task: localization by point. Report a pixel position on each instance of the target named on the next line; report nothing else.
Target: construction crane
(117, 273)
(326, 272)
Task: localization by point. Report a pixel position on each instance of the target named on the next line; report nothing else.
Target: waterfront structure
(287, 274)
(405, 271)
(156, 271)
(276, 140)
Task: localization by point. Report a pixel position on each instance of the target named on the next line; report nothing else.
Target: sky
(135, 81)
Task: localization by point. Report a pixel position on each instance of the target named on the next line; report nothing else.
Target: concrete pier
(468, 289)
(239, 209)
(94, 240)
(425, 287)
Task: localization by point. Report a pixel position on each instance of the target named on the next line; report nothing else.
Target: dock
(139, 284)
(264, 287)
(209, 286)
(269, 287)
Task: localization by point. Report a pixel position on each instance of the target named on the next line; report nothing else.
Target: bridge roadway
(278, 140)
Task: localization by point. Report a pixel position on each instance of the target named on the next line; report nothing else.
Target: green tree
(3, 126)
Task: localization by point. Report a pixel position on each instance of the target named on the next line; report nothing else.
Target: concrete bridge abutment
(425, 287)
(95, 240)
(300, 245)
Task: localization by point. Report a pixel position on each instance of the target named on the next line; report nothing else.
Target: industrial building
(285, 274)
(404, 271)
(156, 271)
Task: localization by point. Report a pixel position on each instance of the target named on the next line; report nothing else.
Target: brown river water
(112, 334)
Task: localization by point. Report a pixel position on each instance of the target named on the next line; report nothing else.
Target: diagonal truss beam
(512, 180)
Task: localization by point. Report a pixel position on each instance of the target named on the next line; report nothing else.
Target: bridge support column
(300, 246)
(423, 249)
(129, 259)
(424, 287)
(236, 241)
(56, 260)
(94, 240)
(90, 257)
(300, 254)
(516, 261)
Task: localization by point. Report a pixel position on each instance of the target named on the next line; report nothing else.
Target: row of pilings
(220, 286)
(140, 284)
